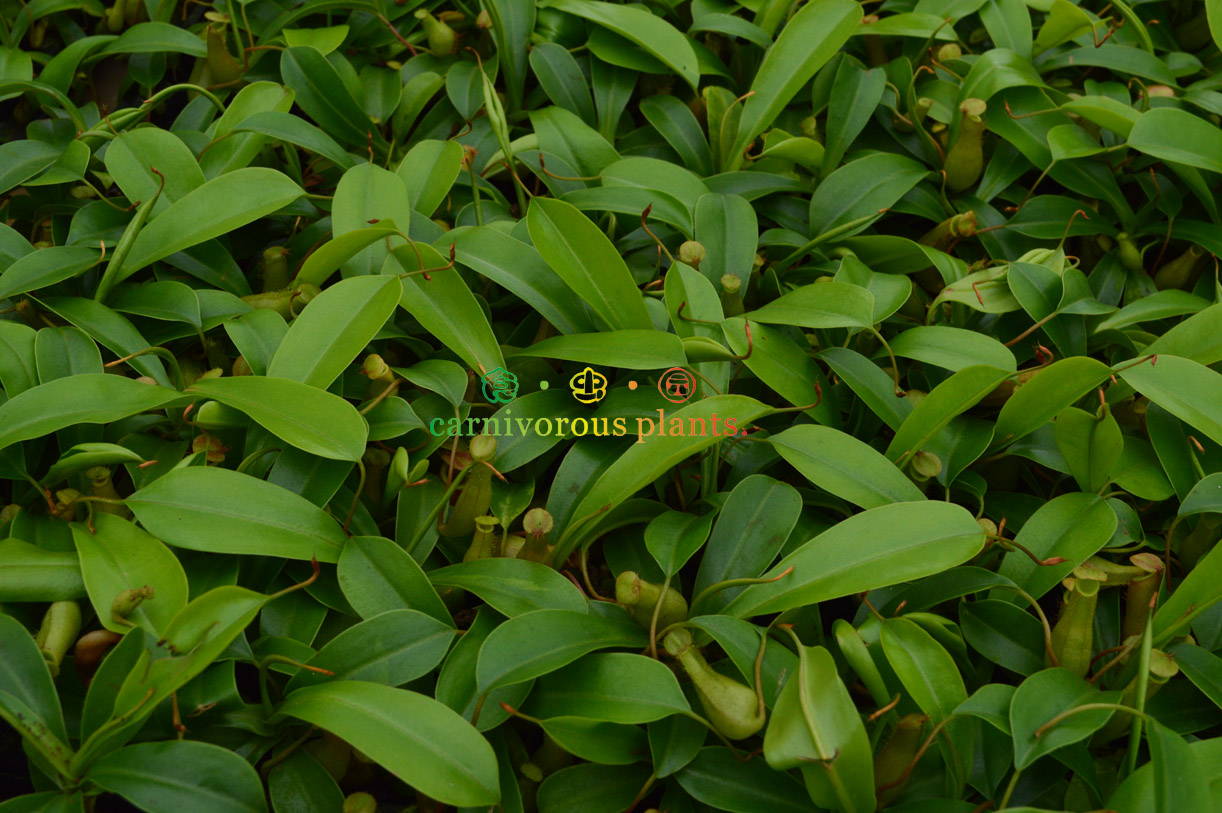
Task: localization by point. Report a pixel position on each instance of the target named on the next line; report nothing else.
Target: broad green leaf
(181, 509)
(825, 305)
(718, 777)
(1176, 135)
(428, 171)
(658, 448)
(115, 556)
(952, 348)
(31, 573)
(1072, 526)
(322, 94)
(845, 466)
(377, 576)
(181, 776)
(754, 523)
(365, 196)
(87, 398)
(1038, 400)
(1043, 696)
(333, 330)
(27, 694)
(391, 648)
(1187, 389)
(445, 306)
(862, 190)
(328, 258)
(952, 397)
(588, 263)
(44, 268)
(809, 39)
(411, 735)
(306, 417)
(816, 720)
(622, 349)
(673, 537)
(1090, 444)
(615, 687)
(217, 207)
(512, 586)
(907, 541)
(540, 642)
(651, 32)
(518, 267)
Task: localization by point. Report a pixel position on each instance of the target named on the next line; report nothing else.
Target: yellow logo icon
(588, 386)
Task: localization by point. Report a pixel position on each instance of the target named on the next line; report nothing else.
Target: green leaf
(333, 330)
(623, 349)
(1038, 400)
(809, 39)
(815, 720)
(1090, 445)
(674, 537)
(1187, 389)
(614, 687)
(842, 465)
(645, 460)
(718, 777)
(952, 397)
(1072, 526)
(306, 417)
(217, 207)
(536, 643)
(413, 736)
(30, 573)
(1176, 135)
(86, 398)
(1043, 696)
(391, 648)
(588, 262)
(860, 189)
(952, 348)
(650, 32)
(44, 268)
(445, 306)
(180, 775)
(428, 171)
(366, 195)
(116, 556)
(910, 540)
(826, 305)
(377, 576)
(322, 94)
(27, 694)
(182, 507)
(512, 586)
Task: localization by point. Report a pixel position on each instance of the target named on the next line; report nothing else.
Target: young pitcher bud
(440, 36)
(275, 269)
(302, 296)
(60, 626)
(126, 602)
(965, 160)
(1130, 256)
(731, 707)
(640, 598)
(100, 485)
(360, 802)
(537, 524)
(893, 759)
(1181, 272)
(731, 295)
(691, 253)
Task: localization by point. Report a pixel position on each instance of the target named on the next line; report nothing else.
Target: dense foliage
(925, 520)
